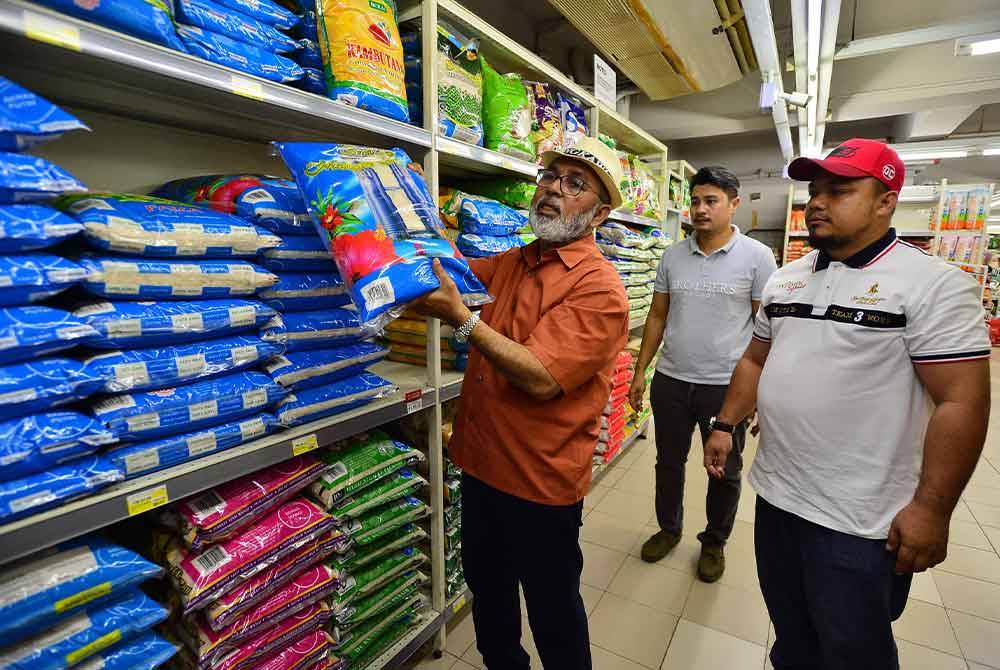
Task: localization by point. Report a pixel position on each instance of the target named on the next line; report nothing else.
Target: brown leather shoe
(711, 563)
(659, 546)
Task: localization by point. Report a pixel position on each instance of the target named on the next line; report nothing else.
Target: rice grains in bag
(381, 225)
(370, 580)
(267, 11)
(506, 114)
(306, 291)
(480, 246)
(305, 653)
(38, 442)
(363, 56)
(484, 216)
(168, 279)
(333, 398)
(300, 253)
(320, 329)
(386, 598)
(359, 465)
(25, 178)
(384, 520)
(27, 119)
(301, 370)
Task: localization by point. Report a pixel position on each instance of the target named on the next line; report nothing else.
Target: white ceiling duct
(827, 51)
(799, 46)
(761, 25)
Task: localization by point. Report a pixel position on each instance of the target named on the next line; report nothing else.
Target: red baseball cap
(854, 158)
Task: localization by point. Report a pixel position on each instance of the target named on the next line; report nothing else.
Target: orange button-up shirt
(568, 307)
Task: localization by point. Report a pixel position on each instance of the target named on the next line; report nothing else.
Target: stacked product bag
(308, 54)
(637, 419)
(454, 574)
(147, 20)
(413, 63)
(506, 114)
(546, 122)
(614, 417)
(636, 256)
(572, 119)
(81, 603)
(249, 570)
(406, 339)
(373, 492)
(487, 227)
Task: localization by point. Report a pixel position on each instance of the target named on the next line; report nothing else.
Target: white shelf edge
(625, 216)
(462, 150)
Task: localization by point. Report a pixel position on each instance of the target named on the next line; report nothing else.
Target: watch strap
(463, 332)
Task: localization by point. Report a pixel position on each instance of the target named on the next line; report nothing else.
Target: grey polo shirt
(710, 319)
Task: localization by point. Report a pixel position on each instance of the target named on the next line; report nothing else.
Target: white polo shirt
(842, 412)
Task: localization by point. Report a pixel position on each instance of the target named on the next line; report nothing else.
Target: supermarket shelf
(599, 470)
(451, 384)
(456, 604)
(111, 505)
(625, 216)
(964, 232)
(627, 134)
(408, 645)
(464, 157)
(84, 65)
(682, 169)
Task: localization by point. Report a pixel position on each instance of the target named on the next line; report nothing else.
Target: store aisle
(661, 616)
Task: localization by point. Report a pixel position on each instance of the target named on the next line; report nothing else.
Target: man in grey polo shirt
(706, 293)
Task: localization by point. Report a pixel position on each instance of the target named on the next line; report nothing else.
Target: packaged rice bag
(25, 178)
(460, 86)
(146, 651)
(401, 484)
(306, 291)
(449, 202)
(34, 443)
(40, 491)
(35, 331)
(27, 278)
(270, 202)
(300, 331)
(353, 560)
(171, 279)
(375, 643)
(381, 225)
(86, 633)
(267, 11)
(247, 58)
(384, 520)
(573, 118)
(162, 367)
(450, 360)
(300, 253)
(129, 325)
(546, 123)
(359, 465)
(307, 26)
(371, 579)
(312, 81)
(483, 216)
(479, 246)
(141, 459)
(152, 227)
(362, 55)
(309, 56)
(27, 119)
(348, 641)
(511, 191)
(305, 653)
(387, 598)
(201, 578)
(333, 398)
(36, 386)
(506, 114)
(300, 370)
(292, 626)
(224, 21)
(415, 325)
(155, 414)
(33, 227)
(146, 19)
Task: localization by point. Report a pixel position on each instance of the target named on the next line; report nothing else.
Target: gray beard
(561, 229)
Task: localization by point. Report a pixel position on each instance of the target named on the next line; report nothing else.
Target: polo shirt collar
(727, 247)
(863, 257)
(570, 254)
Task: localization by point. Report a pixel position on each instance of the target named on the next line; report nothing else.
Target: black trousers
(678, 407)
(508, 541)
(832, 596)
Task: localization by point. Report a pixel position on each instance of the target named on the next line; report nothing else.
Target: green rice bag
(452, 538)
(354, 560)
(460, 87)
(360, 465)
(376, 643)
(400, 484)
(506, 114)
(387, 598)
(370, 580)
(384, 520)
(511, 191)
(452, 490)
(453, 515)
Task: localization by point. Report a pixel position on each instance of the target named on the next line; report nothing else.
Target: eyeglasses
(569, 184)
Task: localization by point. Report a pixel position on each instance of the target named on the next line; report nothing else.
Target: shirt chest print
(872, 296)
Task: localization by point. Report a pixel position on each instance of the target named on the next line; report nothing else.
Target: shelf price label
(248, 88)
(304, 444)
(458, 604)
(143, 501)
(51, 31)
(414, 401)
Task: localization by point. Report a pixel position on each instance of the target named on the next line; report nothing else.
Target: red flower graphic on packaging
(364, 253)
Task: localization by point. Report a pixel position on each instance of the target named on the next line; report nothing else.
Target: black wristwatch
(715, 424)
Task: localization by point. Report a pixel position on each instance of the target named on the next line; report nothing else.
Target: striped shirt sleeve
(947, 325)
(762, 325)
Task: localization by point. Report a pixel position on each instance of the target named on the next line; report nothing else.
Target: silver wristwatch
(463, 332)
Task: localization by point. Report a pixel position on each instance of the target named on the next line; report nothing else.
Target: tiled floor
(661, 616)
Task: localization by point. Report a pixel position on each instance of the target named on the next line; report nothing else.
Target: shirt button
(479, 378)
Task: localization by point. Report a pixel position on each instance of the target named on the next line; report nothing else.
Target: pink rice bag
(309, 650)
(243, 596)
(220, 512)
(200, 578)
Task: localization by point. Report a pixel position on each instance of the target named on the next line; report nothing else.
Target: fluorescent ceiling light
(932, 155)
(980, 45)
(993, 151)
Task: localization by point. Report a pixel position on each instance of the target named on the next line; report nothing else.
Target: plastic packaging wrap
(170, 279)
(483, 216)
(153, 227)
(27, 278)
(301, 370)
(309, 56)
(304, 292)
(312, 81)
(129, 325)
(33, 227)
(351, 562)
(141, 459)
(478, 246)
(385, 599)
(146, 651)
(355, 641)
(401, 484)
(546, 121)
(506, 114)
(339, 396)
(381, 225)
(370, 580)
(511, 191)
(40, 491)
(156, 414)
(246, 654)
(309, 651)
(26, 178)
(374, 643)
(359, 465)
(240, 56)
(300, 253)
(146, 19)
(460, 87)
(27, 119)
(34, 443)
(300, 331)
(574, 121)
(362, 55)
(267, 11)
(28, 388)
(162, 367)
(31, 332)
(381, 522)
(238, 26)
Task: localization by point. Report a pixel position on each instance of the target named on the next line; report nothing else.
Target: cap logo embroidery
(587, 156)
(843, 152)
(888, 172)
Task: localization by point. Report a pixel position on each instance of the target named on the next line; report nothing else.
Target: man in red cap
(869, 368)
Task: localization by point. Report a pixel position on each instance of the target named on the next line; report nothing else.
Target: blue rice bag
(33, 227)
(483, 216)
(156, 414)
(299, 253)
(130, 325)
(267, 11)
(28, 278)
(307, 369)
(146, 651)
(308, 28)
(478, 246)
(309, 56)
(141, 459)
(146, 19)
(162, 367)
(321, 329)
(240, 56)
(339, 396)
(225, 21)
(25, 178)
(27, 119)
(305, 292)
(78, 637)
(31, 332)
(411, 43)
(135, 278)
(55, 486)
(34, 443)
(312, 81)
(58, 582)
(152, 227)
(381, 225)
(27, 388)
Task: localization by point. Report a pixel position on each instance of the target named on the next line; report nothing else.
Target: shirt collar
(693, 242)
(863, 257)
(570, 254)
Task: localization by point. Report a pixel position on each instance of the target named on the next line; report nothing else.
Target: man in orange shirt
(538, 377)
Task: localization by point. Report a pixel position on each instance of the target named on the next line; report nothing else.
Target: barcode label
(114, 403)
(244, 354)
(200, 444)
(210, 560)
(379, 293)
(203, 410)
(338, 470)
(188, 366)
(142, 461)
(255, 398)
(143, 422)
(256, 195)
(251, 429)
(182, 323)
(123, 327)
(242, 316)
(207, 504)
(131, 374)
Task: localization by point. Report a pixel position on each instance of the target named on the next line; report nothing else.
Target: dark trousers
(678, 407)
(508, 541)
(832, 596)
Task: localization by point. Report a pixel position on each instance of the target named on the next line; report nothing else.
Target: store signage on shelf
(414, 401)
(248, 88)
(51, 31)
(306, 443)
(143, 501)
(605, 82)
